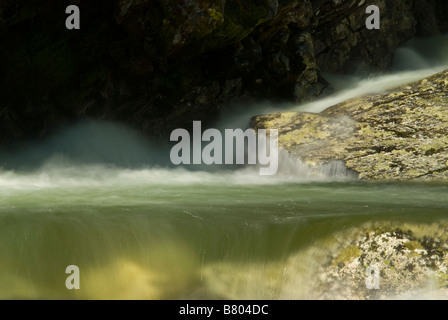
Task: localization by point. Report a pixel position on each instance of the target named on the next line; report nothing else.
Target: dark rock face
(441, 7)
(160, 64)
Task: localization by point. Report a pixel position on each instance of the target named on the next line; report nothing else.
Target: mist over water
(88, 142)
(101, 196)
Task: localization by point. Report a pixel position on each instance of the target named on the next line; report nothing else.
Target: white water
(361, 87)
(418, 59)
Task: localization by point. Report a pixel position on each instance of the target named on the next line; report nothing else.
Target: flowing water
(99, 196)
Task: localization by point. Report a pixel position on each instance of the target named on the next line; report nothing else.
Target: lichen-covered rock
(402, 265)
(399, 135)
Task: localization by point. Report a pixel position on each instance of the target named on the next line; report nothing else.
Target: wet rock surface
(399, 135)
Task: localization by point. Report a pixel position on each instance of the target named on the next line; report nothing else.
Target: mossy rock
(396, 136)
(347, 255)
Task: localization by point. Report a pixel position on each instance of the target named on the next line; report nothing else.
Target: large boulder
(398, 135)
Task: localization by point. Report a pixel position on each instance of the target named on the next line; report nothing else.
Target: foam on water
(102, 154)
(55, 175)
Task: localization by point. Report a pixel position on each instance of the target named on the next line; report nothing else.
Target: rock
(427, 18)
(399, 135)
(347, 45)
(407, 266)
(412, 260)
(441, 12)
(142, 62)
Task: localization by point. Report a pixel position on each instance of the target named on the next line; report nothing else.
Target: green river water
(160, 232)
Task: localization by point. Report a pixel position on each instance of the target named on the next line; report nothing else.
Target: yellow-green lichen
(347, 255)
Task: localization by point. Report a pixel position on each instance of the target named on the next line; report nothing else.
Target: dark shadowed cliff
(159, 64)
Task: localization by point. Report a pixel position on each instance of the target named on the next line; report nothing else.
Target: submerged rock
(412, 262)
(399, 135)
(405, 265)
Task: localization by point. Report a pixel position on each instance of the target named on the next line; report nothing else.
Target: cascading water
(101, 197)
